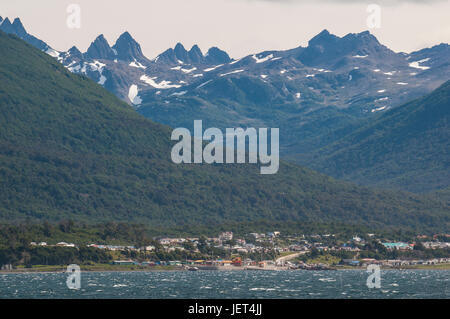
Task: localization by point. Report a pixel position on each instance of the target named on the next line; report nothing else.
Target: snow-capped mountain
(179, 55)
(100, 49)
(305, 91)
(355, 70)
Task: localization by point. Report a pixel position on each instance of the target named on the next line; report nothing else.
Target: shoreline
(62, 269)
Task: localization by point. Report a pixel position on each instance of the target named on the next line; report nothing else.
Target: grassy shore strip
(96, 267)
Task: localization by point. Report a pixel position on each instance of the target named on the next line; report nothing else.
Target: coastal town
(269, 251)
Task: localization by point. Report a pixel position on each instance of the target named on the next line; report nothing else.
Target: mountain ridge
(315, 94)
(70, 149)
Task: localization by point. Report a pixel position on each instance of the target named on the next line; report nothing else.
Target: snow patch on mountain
(261, 60)
(188, 70)
(161, 85)
(53, 53)
(97, 66)
(378, 109)
(232, 72)
(235, 61)
(203, 84)
(102, 79)
(133, 95)
(74, 69)
(178, 93)
(416, 64)
(213, 68)
(136, 64)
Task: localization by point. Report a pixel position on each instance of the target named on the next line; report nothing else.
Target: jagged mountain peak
(125, 39)
(75, 52)
(196, 54)
(6, 25)
(126, 36)
(195, 48)
(100, 49)
(362, 38)
(193, 56)
(100, 40)
(128, 49)
(179, 46)
(74, 49)
(322, 38)
(181, 53)
(166, 56)
(17, 28)
(17, 22)
(327, 39)
(217, 56)
(325, 48)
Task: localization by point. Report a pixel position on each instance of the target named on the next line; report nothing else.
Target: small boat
(192, 268)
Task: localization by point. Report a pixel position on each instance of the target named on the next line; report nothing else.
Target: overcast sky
(240, 27)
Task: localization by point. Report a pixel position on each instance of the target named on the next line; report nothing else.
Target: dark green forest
(407, 147)
(71, 150)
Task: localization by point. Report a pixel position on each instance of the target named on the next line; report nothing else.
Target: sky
(239, 27)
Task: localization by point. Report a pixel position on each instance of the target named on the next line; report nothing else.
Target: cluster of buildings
(392, 263)
(274, 242)
(112, 247)
(60, 244)
(225, 241)
(435, 245)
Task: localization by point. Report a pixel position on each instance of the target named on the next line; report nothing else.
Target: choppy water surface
(230, 284)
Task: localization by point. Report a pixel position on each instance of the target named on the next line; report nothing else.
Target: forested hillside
(71, 150)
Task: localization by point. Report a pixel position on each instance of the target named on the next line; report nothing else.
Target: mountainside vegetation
(407, 147)
(71, 150)
(319, 96)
